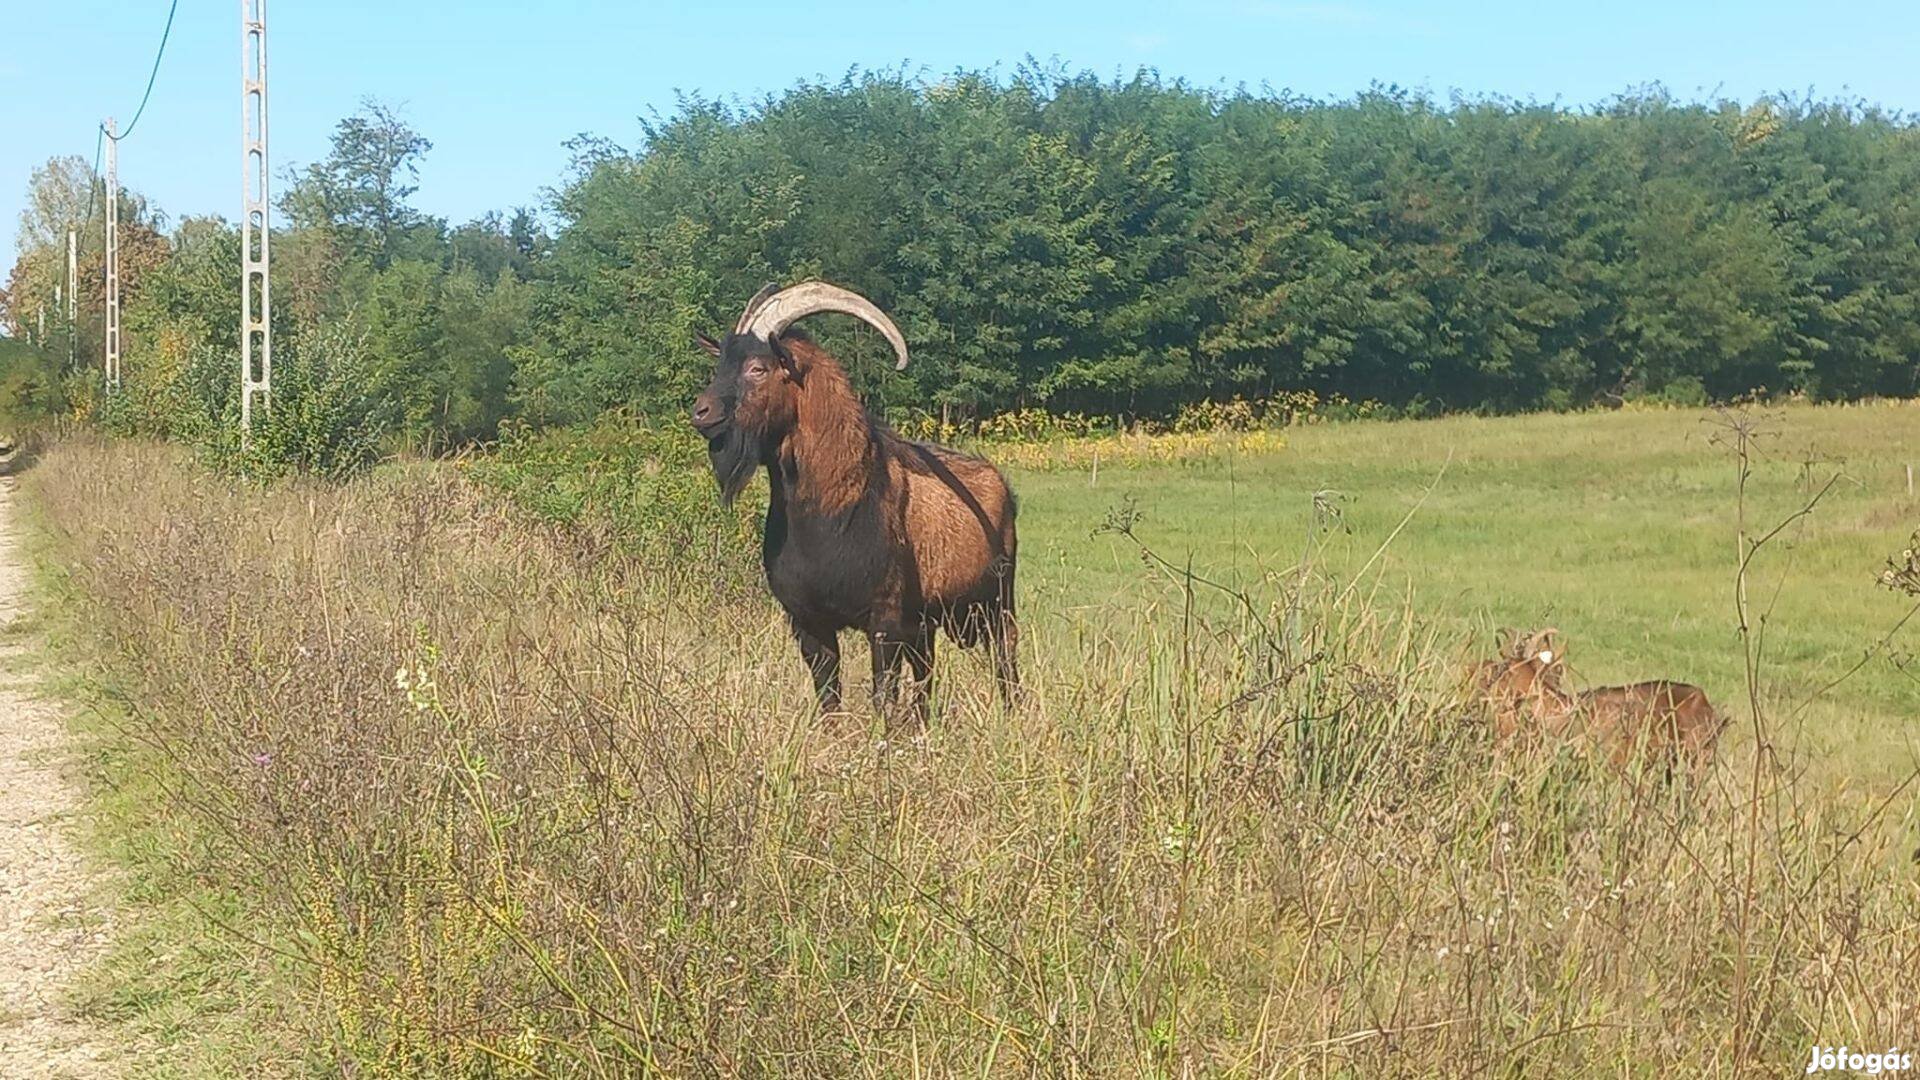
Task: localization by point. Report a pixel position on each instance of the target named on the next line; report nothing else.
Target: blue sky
(498, 86)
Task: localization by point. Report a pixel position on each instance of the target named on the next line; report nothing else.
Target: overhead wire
(153, 75)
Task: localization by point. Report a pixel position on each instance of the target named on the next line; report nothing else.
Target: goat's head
(1531, 665)
(753, 401)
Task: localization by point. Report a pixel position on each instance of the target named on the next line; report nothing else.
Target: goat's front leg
(821, 650)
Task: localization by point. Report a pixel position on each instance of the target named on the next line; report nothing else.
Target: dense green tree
(1130, 245)
(360, 190)
(1124, 246)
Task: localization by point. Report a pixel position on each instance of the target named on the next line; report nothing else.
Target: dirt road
(50, 926)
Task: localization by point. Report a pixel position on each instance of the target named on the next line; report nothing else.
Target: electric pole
(73, 286)
(256, 304)
(113, 256)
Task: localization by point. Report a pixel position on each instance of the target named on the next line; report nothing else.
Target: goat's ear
(711, 346)
(781, 354)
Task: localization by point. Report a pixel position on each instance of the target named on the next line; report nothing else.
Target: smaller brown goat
(1672, 722)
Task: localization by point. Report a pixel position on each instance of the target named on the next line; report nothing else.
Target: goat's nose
(702, 411)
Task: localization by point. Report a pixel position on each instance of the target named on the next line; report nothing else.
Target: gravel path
(50, 926)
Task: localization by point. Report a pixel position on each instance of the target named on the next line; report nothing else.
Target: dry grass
(591, 829)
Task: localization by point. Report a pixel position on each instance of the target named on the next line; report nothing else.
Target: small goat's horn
(769, 317)
(1540, 638)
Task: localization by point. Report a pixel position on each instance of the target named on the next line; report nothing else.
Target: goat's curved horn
(753, 305)
(770, 317)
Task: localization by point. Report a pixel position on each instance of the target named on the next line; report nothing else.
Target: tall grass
(522, 802)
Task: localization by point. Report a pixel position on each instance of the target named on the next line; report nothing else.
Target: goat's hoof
(836, 718)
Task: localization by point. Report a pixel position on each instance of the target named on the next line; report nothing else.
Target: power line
(155, 73)
(103, 136)
(100, 134)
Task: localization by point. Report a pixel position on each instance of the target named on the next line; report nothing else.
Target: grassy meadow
(463, 792)
(1618, 528)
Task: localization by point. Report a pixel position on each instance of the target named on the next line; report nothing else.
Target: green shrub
(648, 489)
(31, 389)
(182, 399)
(1687, 392)
(326, 417)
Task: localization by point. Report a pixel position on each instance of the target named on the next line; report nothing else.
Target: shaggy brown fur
(1671, 722)
(865, 530)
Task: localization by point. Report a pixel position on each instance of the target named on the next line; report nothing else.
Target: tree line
(1066, 242)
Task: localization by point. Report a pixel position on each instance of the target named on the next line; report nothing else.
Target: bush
(326, 416)
(1686, 392)
(182, 400)
(31, 389)
(647, 490)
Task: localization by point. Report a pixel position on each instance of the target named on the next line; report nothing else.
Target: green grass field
(489, 797)
(1617, 528)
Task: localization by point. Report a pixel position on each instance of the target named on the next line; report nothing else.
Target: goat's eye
(756, 369)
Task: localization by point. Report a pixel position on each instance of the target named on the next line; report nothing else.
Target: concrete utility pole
(73, 287)
(256, 303)
(113, 256)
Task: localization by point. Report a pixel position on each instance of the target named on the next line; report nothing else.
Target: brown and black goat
(865, 530)
(1671, 722)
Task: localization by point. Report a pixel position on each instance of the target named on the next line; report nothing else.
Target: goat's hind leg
(919, 657)
(889, 650)
(895, 649)
(1003, 638)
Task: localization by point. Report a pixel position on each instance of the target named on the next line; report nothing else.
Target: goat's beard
(734, 455)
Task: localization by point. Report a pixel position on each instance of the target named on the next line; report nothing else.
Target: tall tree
(360, 191)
